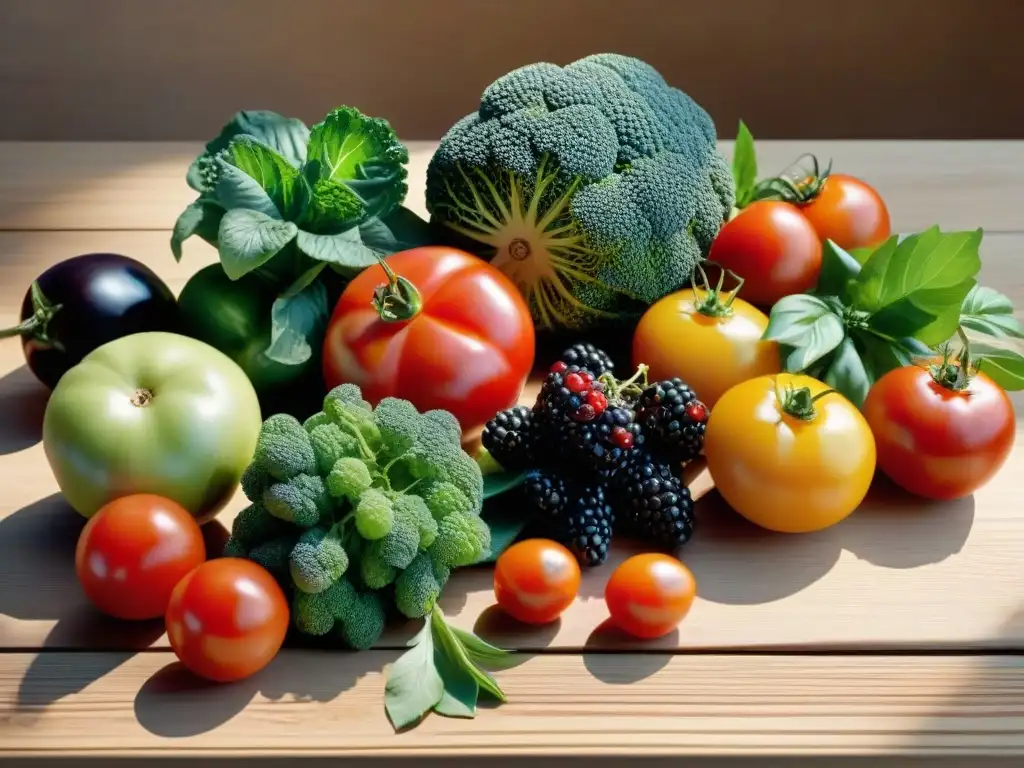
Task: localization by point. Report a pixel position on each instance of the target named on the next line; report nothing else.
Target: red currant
(585, 412)
(587, 377)
(575, 383)
(697, 411)
(559, 367)
(622, 438)
(597, 401)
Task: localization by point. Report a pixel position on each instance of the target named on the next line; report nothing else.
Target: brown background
(175, 69)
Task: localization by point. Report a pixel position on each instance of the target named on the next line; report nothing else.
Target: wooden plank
(601, 706)
(142, 185)
(900, 573)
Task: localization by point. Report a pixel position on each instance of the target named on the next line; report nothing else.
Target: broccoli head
(330, 444)
(316, 613)
(374, 514)
(318, 559)
(376, 574)
(283, 449)
(362, 620)
(302, 500)
(596, 187)
(414, 508)
(349, 478)
(254, 525)
(254, 482)
(437, 454)
(345, 406)
(461, 540)
(402, 542)
(418, 586)
(399, 423)
(444, 498)
(273, 554)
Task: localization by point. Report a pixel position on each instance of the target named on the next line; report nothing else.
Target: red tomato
(535, 580)
(227, 619)
(648, 595)
(468, 349)
(848, 212)
(935, 441)
(133, 552)
(773, 248)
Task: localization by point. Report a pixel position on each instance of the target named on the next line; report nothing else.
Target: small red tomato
(773, 247)
(849, 212)
(445, 330)
(133, 552)
(227, 619)
(648, 595)
(935, 440)
(535, 580)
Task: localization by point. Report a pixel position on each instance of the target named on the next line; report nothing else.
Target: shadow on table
(604, 658)
(22, 404)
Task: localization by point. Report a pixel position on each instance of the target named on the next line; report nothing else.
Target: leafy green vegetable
(990, 313)
(294, 320)
(413, 686)
(1003, 365)
(744, 166)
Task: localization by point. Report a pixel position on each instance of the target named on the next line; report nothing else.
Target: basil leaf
(199, 218)
(344, 251)
(461, 689)
(838, 269)
(297, 324)
(946, 322)
(278, 178)
(237, 189)
(744, 165)
(989, 312)
(248, 239)
(906, 285)
(496, 483)
(413, 686)
(461, 656)
(847, 373)
(1004, 366)
(483, 653)
(808, 325)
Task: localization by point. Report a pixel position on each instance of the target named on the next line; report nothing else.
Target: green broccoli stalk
(596, 187)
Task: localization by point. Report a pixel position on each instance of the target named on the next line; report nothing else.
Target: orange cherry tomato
(773, 247)
(133, 552)
(648, 595)
(937, 441)
(468, 349)
(535, 580)
(227, 619)
(849, 212)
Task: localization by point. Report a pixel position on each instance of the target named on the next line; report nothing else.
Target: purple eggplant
(82, 303)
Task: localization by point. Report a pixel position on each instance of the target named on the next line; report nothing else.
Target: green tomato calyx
(397, 299)
(37, 325)
(798, 402)
(713, 304)
(798, 184)
(954, 374)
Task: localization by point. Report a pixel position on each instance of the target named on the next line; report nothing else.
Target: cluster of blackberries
(603, 455)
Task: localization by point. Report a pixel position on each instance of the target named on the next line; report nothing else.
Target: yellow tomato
(708, 343)
(788, 453)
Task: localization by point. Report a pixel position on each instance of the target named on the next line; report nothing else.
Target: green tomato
(152, 413)
(234, 317)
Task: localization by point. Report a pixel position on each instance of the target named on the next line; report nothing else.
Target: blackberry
(588, 356)
(673, 418)
(607, 443)
(508, 437)
(548, 494)
(654, 503)
(585, 526)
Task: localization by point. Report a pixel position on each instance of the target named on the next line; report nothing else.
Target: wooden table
(895, 634)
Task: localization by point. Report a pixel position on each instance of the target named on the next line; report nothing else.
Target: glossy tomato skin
(468, 351)
(936, 442)
(849, 212)
(773, 247)
(710, 354)
(648, 595)
(785, 473)
(227, 619)
(536, 580)
(133, 552)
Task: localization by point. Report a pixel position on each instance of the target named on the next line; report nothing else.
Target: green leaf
(329, 206)
(400, 230)
(989, 312)
(505, 525)
(946, 322)
(1004, 366)
(297, 325)
(237, 189)
(881, 356)
(460, 687)
(847, 373)
(744, 165)
(304, 280)
(199, 218)
(838, 269)
(496, 483)
(413, 686)
(345, 251)
(482, 652)
(808, 325)
(278, 178)
(460, 656)
(907, 285)
(248, 239)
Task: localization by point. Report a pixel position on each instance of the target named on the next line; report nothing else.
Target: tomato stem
(37, 324)
(956, 375)
(798, 402)
(796, 184)
(712, 304)
(397, 299)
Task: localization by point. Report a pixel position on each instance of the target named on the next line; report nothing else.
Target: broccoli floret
(362, 620)
(283, 449)
(399, 423)
(273, 555)
(254, 525)
(415, 509)
(316, 613)
(461, 540)
(402, 543)
(349, 478)
(374, 514)
(318, 559)
(444, 498)
(596, 187)
(330, 444)
(418, 586)
(464, 473)
(316, 420)
(234, 548)
(346, 408)
(438, 454)
(254, 482)
(375, 572)
(303, 500)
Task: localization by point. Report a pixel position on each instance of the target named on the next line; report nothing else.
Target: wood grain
(604, 705)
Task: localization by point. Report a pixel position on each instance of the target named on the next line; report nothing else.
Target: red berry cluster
(590, 391)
